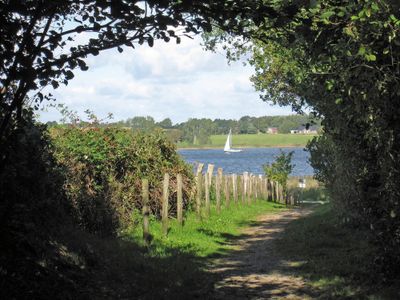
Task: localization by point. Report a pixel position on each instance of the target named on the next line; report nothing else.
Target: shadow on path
(254, 269)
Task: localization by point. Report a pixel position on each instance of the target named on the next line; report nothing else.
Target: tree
(280, 169)
(197, 131)
(166, 123)
(141, 123)
(44, 42)
(342, 60)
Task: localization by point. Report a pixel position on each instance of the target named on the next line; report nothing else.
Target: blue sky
(166, 81)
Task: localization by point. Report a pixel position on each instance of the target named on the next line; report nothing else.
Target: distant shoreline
(245, 141)
(239, 147)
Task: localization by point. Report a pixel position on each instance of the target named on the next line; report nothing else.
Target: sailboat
(228, 144)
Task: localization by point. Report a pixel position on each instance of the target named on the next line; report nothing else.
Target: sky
(166, 81)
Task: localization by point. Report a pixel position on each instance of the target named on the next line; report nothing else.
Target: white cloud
(168, 80)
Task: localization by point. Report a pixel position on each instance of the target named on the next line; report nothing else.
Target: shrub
(280, 169)
(32, 211)
(104, 168)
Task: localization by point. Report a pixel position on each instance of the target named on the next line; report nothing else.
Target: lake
(250, 160)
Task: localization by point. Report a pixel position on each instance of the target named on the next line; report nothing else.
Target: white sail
(228, 144)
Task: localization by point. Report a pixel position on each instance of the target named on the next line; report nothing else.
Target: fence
(229, 189)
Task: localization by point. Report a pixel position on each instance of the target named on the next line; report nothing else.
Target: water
(250, 160)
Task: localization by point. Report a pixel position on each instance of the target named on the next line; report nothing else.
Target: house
(304, 130)
(272, 130)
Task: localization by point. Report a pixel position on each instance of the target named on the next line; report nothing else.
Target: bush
(280, 169)
(32, 212)
(104, 168)
(362, 179)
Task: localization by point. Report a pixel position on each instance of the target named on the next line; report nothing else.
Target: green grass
(173, 267)
(256, 140)
(336, 259)
(204, 238)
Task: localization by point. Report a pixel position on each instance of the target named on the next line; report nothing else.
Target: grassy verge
(171, 268)
(256, 140)
(336, 259)
(203, 238)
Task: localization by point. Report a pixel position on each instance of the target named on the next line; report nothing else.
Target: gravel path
(255, 269)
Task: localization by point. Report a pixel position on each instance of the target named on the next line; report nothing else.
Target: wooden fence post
(245, 187)
(199, 168)
(164, 213)
(179, 199)
(251, 191)
(146, 211)
(274, 184)
(218, 189)
(198, 195)
(240, 185)
(226, 191)
(270, 190)
(207, 192)
(235, 189)
(262, 188)
(210, 171)
(255, 188)
(277, 191)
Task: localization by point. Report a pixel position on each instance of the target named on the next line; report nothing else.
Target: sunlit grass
(256, 140)
(263, 140)
(206, 237)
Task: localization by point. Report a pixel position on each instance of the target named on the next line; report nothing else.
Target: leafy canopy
(44, 42)
(341, 59)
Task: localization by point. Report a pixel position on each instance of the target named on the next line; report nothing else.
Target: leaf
(55, 84)
(79, 29)
(327, 14)
(374, 7)
(120, 50)
(69, 75)
(150, 41)
(361, 50)
(370, 57)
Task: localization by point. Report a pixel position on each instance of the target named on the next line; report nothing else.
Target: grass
(314, 191)
(336, 259)
(172, 267)
(204, 238)
(256, 140)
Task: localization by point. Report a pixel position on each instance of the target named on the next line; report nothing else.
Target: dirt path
(255, 270)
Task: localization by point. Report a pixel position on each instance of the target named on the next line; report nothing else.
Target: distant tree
(141, 123)
(51, 123)
(166, 123)
(197, 131)
(174, 135)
